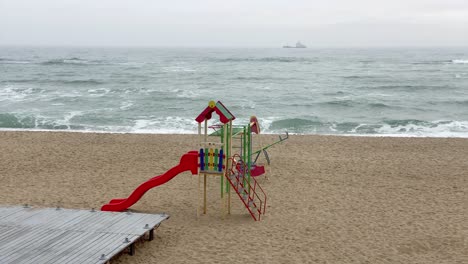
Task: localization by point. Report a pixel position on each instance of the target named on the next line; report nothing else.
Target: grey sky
(266, 23)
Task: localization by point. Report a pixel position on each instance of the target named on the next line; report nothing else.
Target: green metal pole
(228, 147)
(222, 142)
(244, 149)
(274, 143)
(249, 149)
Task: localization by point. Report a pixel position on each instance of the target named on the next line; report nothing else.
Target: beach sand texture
(330, 199)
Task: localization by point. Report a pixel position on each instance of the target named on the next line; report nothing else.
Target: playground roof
(224, 114)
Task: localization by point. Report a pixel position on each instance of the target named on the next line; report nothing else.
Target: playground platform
(56, 235)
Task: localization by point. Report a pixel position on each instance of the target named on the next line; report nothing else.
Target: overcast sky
(245, 23)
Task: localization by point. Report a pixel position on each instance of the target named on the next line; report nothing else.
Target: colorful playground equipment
(237, 169)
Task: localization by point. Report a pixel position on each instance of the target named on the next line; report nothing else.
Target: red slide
(188, 162)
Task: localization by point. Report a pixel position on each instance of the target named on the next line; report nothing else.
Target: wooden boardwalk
(54, 235)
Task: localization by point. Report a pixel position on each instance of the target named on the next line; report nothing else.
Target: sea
(403, 92)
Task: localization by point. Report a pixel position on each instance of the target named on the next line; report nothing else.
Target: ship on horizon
(299, 45)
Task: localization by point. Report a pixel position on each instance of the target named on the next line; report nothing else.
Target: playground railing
(251, 193)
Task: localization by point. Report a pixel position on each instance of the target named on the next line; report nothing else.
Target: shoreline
(195, 133)
(331, 199)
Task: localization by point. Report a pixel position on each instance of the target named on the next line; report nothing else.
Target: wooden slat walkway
(51, 235)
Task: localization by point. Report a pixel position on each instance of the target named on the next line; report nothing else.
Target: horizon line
(225, 46)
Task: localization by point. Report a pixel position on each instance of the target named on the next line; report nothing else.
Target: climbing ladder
(251, 194)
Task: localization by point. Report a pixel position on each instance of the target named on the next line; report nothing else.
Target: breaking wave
(266, 59)
(459, 61)
(404, 127)
(15, 121)
(72, 61)
(454, 61)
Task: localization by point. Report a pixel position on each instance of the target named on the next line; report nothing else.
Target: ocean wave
(439, 62)
(298, 104)
(17, 94)
(266, 59)
(409, 127)
(243, 105)
(405, 122)
(412, 87)
(459, 61)
(126, 105)
(55, 81)
(81, 82)
(11, 121)
(308, 126)
(379, 105)
(296, 124)
(334, 93)
(177, 69)
(22, 81)
(342, 103)
(72, 61)
(12, 61)
(98, 92)
(362, 77)
(81, 121)
(404, 127)
(17, 121)
(186, 94)
(261, 78)
(164, 125)
(450, 102)
(251, 78)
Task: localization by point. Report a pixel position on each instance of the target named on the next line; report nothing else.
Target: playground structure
(230, 157)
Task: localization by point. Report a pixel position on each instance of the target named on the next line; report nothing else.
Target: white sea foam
(167, 125)
(247, 104)
(265, 123)
(126, 105)
(16, 94)
(72, 61)
(70, 115)
(189, 94)
(177, 69)
(439, 129)
(99, 92)
(460, 61)
(41, 120)
(132, 64)
(14, 62)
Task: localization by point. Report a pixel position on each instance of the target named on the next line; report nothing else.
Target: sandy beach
(330, 199)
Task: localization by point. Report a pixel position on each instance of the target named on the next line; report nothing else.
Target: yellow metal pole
(204, 194)
(198, 197)
(199, 176)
